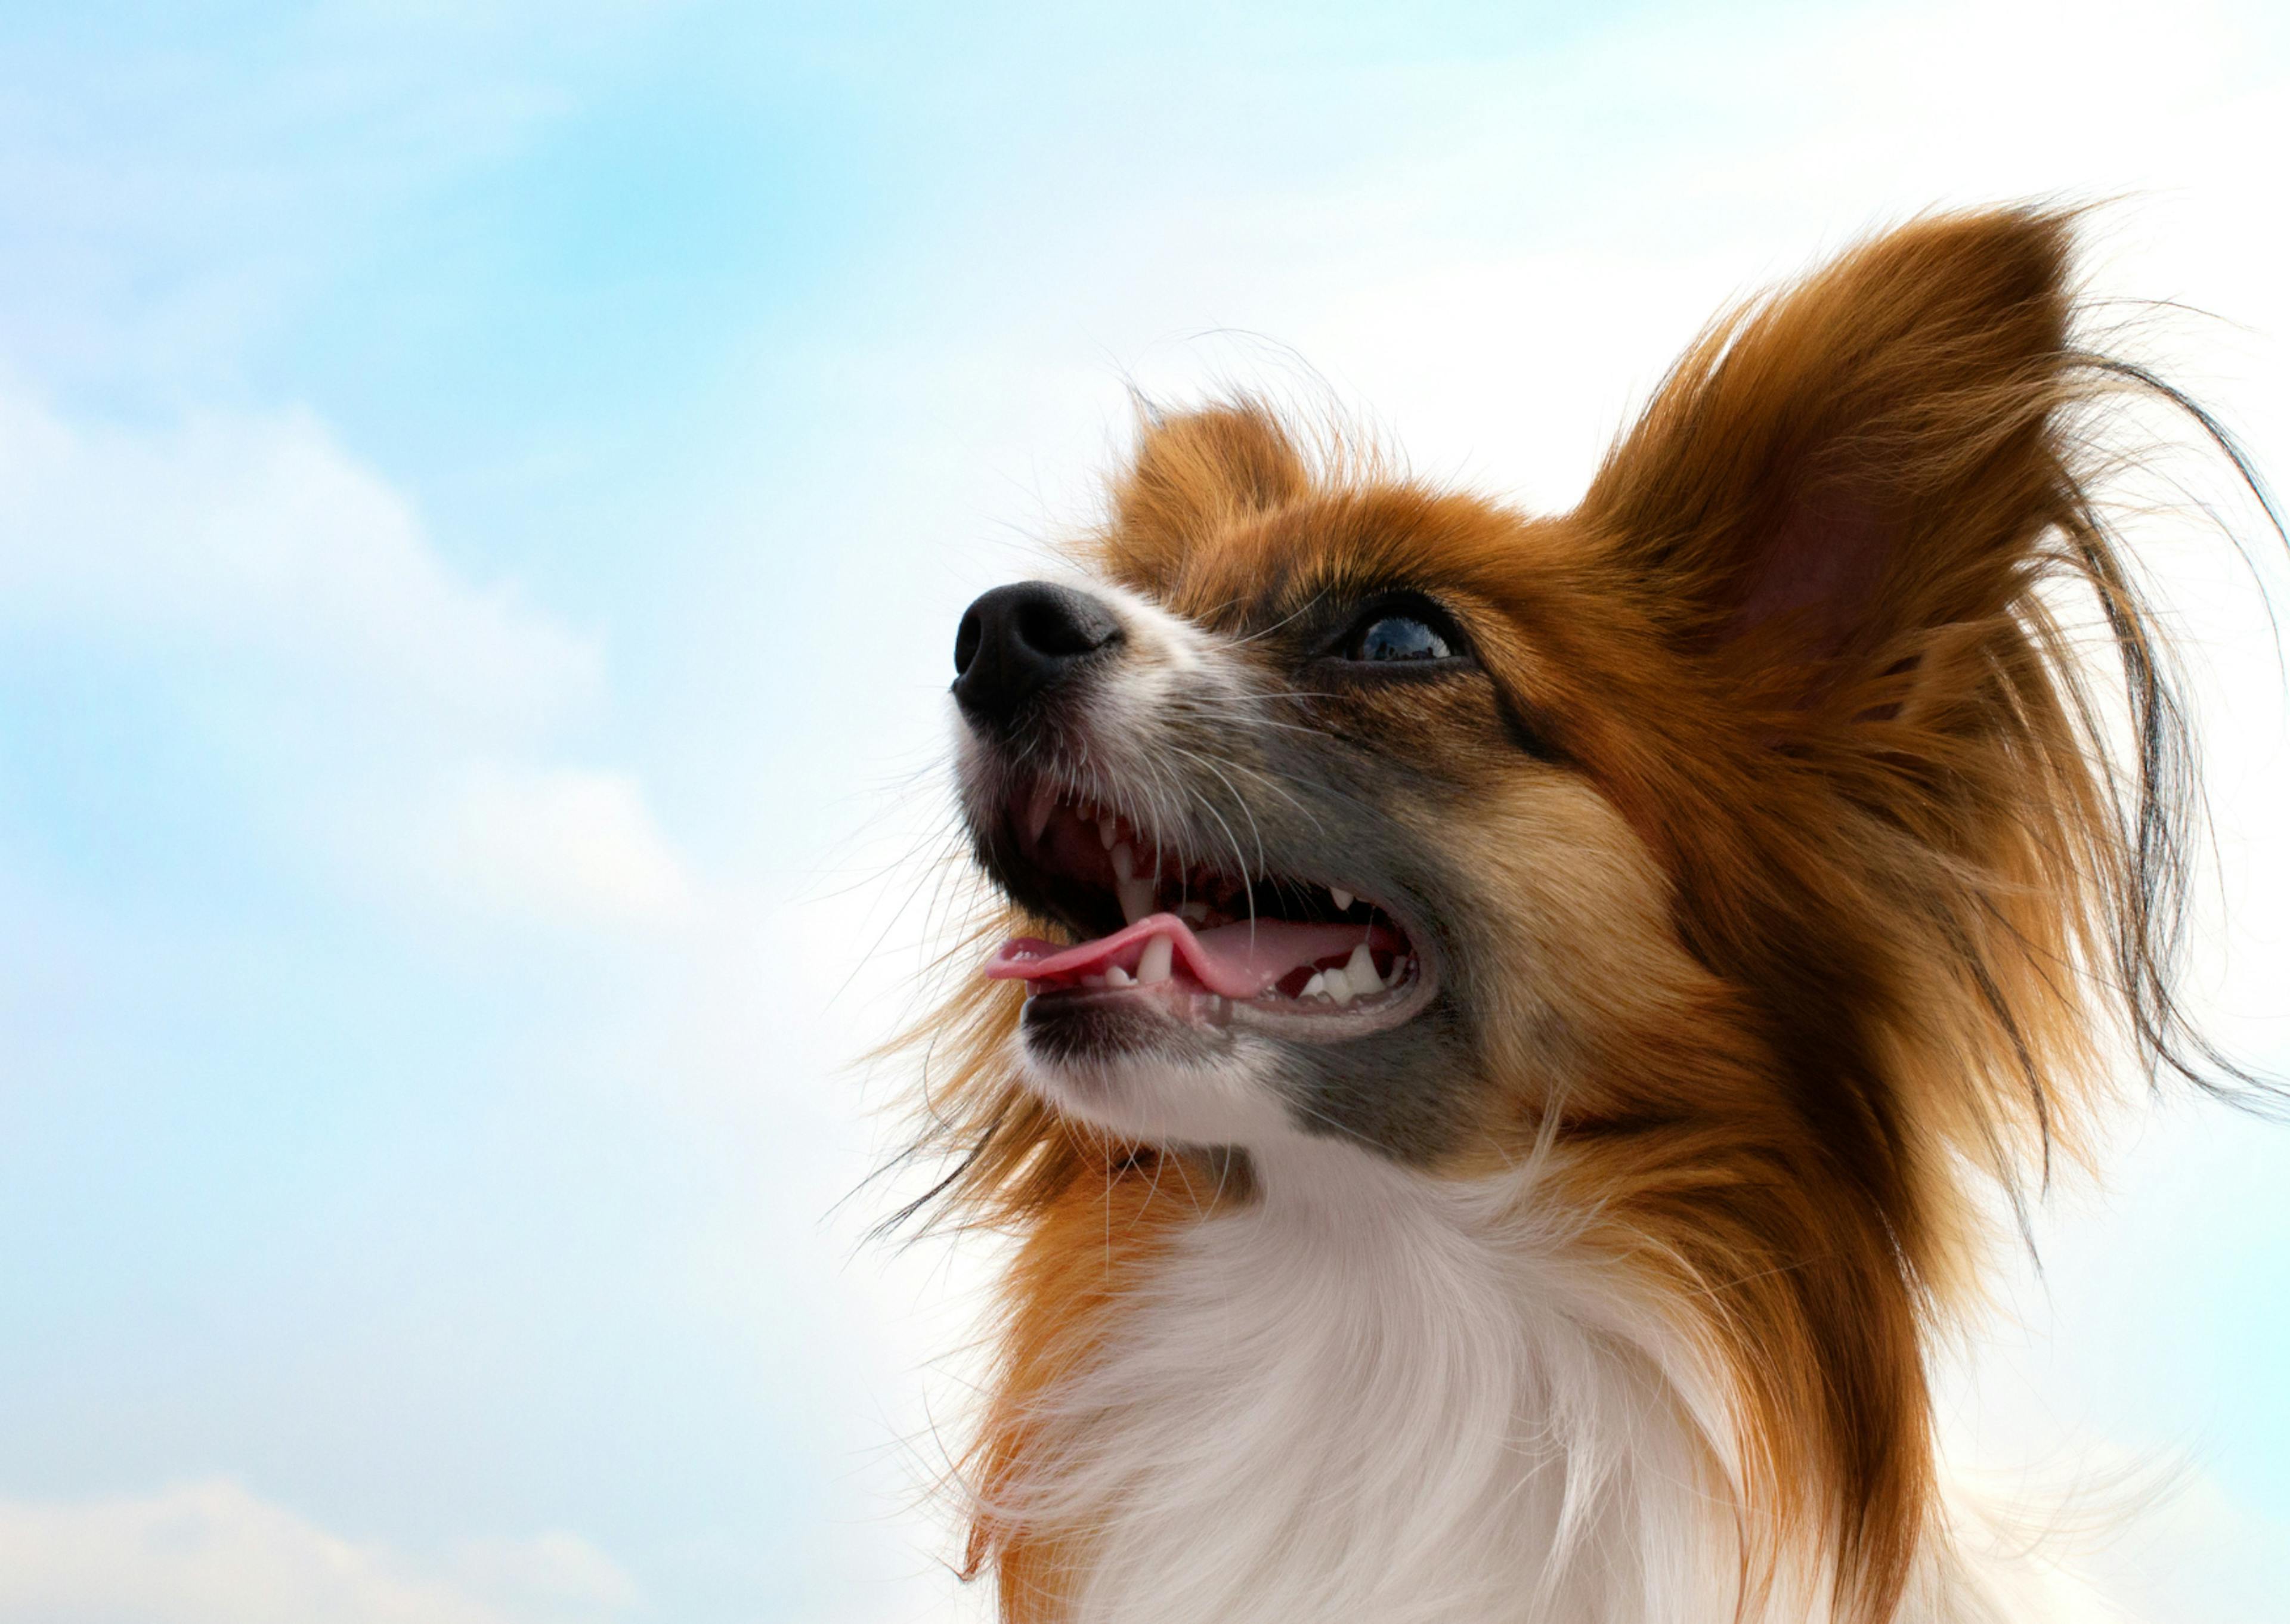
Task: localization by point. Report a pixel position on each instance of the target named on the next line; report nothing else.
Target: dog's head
(1757, 787)
(1740, 846)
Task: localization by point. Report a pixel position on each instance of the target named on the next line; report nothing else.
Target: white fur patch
(1374, 1395)
(1377, 1396)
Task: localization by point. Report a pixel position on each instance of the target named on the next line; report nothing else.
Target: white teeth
(1194, 912)
(1134, 890)
(1317, 985)
(1106, 827)
(1092, 980)
(1339, 986)
(1360, 971)
(1343, 898)
(1153, 963)
(1037, 812)
(1115, 976)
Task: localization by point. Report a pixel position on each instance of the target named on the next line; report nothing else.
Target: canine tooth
(1359, 969)
(1115, 976)
(1318, 984)
(1340, 987)
(1343, 898)
(1038, 811)
(1107, 825)
(1194, 912)
(1153, 963)
(1134, 890)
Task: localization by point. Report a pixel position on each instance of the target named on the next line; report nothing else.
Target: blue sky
(484, 494)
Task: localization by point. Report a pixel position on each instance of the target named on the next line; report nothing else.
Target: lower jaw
(1150, 1010)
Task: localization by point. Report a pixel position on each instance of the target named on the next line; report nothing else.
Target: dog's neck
(1369, 1394)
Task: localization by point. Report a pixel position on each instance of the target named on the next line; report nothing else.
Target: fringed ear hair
(1850, 747)
(1195, 473)
(1951, 835)
(1868, 456)
(1840, 506)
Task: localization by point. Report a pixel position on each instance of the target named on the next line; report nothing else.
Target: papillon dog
(1517, 1033)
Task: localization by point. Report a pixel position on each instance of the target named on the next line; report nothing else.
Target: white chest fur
(1375, 1397)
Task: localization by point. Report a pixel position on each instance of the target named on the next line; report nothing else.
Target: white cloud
(395, 712)
(561, 842)
(557, 1570)
(212, 1553)
(259, 532)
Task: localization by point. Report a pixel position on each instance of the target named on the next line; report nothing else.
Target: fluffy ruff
(1749, 882)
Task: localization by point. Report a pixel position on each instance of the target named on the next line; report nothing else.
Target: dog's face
(1293, 786)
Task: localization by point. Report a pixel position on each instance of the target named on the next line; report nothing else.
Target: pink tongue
(1239, 960)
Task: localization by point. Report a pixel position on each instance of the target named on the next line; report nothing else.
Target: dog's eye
(1398, 636)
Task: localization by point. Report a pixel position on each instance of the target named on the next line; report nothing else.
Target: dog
(1517, 1033)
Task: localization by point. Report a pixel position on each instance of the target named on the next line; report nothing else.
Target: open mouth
(1208, 945)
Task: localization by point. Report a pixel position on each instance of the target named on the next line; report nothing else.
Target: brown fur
(1083, 1250)
(1856, 902)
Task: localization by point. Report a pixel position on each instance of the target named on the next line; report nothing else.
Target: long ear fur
(1856, 506)
(1882, 769)
(1869, 456)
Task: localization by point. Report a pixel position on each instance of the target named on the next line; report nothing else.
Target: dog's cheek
(1422, 1093)
(1412, 1092)
(1569, 967)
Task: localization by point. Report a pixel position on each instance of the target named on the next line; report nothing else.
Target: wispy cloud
(257, 536)
(563, 842)
(212, 1553)
(399, 712)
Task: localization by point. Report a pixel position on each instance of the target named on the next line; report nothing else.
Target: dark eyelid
(1528, 731)
(1411, 601)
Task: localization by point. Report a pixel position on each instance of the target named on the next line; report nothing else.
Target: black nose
(1017, 642)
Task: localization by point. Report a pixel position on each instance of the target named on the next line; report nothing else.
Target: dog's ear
(1867, 456)
(1196, 473)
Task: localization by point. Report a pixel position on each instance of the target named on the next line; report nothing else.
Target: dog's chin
(1122, 1062)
